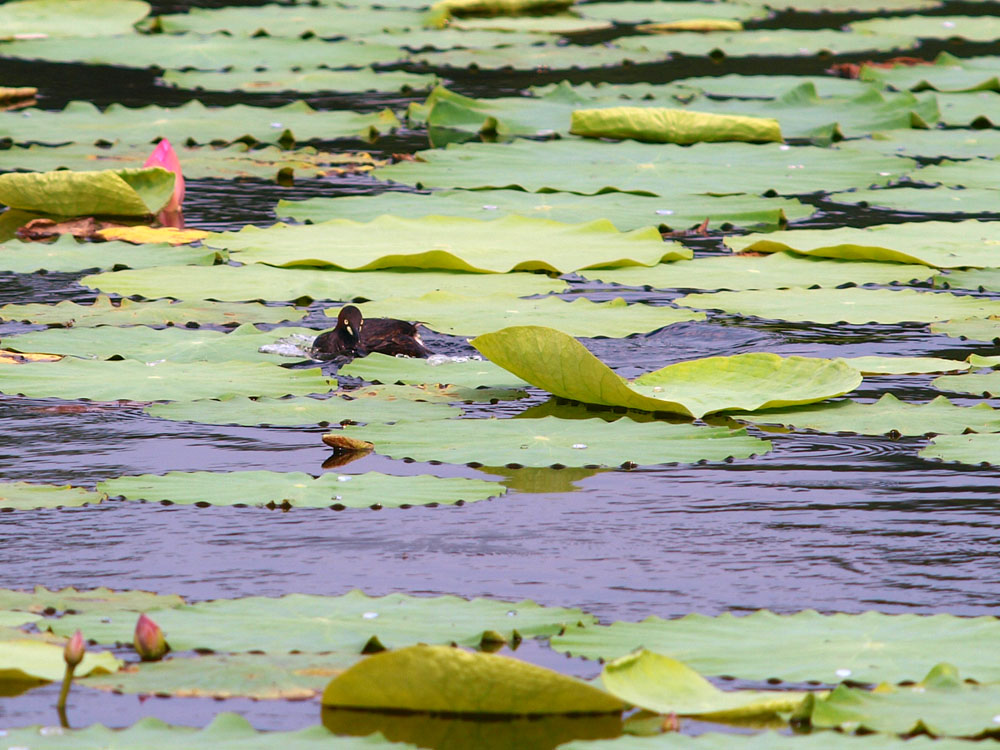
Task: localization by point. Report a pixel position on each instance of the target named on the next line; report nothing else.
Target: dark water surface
(832, 522)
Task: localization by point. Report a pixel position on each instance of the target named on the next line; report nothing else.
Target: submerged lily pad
(85, 600)
(513, 243)
(444, 679)
(468, 373)
(966, 449)
(66, 254)
(552, 441)
(305, 622)
(26, 496)
(33, 660)
(561, 365)
(869, 647)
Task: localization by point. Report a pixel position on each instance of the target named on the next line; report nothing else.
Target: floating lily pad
(32, 660)
(663, 125)
(875, 365)
(327, 21)
(966, 449)
(844, 305)
(869, 647)
(774, 271)
(115, 192)
(513, 243)
(76, 18)
(767, 741)
(523, 57)
(266, 488)
(948, 73)
(558, 24)
(977, 329)
(767, 87)
(443, 679)
(256, 81)
(161, 312)
(66, 254)
(257, 281)
(302, 411)
(73, 378)
(85, 600)
(303, 622)
(658, 683)
(773, 42)
(887, 415)
(976, 279)
(567, 442)
(625, 211)
(851, 6)
(561, 365)
(920, 200)
(464, 315)
(667, 11)
(951, 143)
(972, 174)
(26, 496)
(972, 28)
(468, 373)
(988, 383)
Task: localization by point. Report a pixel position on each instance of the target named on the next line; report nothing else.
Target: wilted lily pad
(561, 365)
(468, 373)
(26, 496)
(85, 600)
(33, 660)
(966, 449)
(552, 441)
(298, 490)
(115, 192)
(665, 125)
(303, 622)
(444, 679)
(869, 647)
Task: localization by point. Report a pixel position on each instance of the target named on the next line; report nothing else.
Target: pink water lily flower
(165, 156)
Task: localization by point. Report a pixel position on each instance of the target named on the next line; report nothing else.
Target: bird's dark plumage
(355, 336)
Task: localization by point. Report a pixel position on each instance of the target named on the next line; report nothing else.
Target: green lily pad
(875, 365)
(662, 125)
(972, 174)
(658, 683)
(468, 373)
(26, 496)
(73, 378)
(920, 200)
(974, 109)
(66, 254)
(933, 243)
(971, 28)
(552, 441)
(220, 676)
(966, 449)
(977, 329)
(464, 315)
(298, 490)
(11, 621)
(767, 741)
(558, 24)
(772, 42)
(976, 279)
(161, 312)
(513, 243)
(561, 365)
(115, 192)
(256, 281)
(302, 411)
(766, 87)
(89, 600)
(969, 383)
(888, 415)
(79, 18)
(305, 622)
(951, 144)
(942, 705)
(31, 660)
(255, 81)
(844, 305)
(948, 73)
(524, 57)
(325, 21)
(625, 211)
(869, 647)
(851, 6)
(666, 11)
(775, 271)
(444, 679)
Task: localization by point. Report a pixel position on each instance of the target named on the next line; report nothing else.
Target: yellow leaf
(140, 235)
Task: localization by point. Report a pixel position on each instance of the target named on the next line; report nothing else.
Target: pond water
(835, 522)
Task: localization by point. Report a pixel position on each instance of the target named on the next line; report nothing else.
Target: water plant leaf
(305, 622)
(888, 415)
(27, 496)
(257, 281)
(972, 28)
(302, 411)
(658, 683)
(256, 81)
(868, 647)
(844, 305)
(977, 329)
(101, 599)
(966, 449)
(774, 271)
(325, 21)
(769, 740)
(444, 679)
(876, 365)
(772, 42)
(76, 18)
(550, 441)
(524, 57)
(950, 144)
(115, 192)
(468, 373)
(625, 211)
(561, 365)
(30, 660)
(513, 243)
(666, 11)
(73, 378)
(298, 490)
(559, 24)
(978, 383)
(971, 174)
(760, 86)
(921, 200)
(947, 73)
(465, 315)
(662, 125)
(935, 243)
(161, 312)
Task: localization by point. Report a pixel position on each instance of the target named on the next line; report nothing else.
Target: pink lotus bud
(165, 156)
(75, 649)
(149, 641)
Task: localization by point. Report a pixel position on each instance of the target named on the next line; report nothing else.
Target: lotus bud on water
(149, 641)
(75, 649)
(165, 156)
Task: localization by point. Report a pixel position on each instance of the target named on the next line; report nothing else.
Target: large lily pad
(66, 254)
(561, 365)
(887, 415)
(772, 42)
(978, 329)
(767, 740)
(948, 73)
(443, 679)
(513, 243)
(72, 378)
(845, 305)
(523, 57)
(876, 365)
(302, 622)
(257, 81)
(985, 383)
(468, 373)
(298, 490)
(326, 21)
(121, 192)
(162, 312)
(920, 200)
(464, 315)
(966, 449)
(552, 441)
(935, 243)
(69, 18)
(665, 11)
(774, 271)
(951, 143)
(32, 660)
(974, 173)
(27, 496)
(972, 28)
(85, 600)
(663, 125)
(869, 647)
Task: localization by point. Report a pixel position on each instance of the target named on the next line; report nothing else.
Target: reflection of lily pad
(540, 478)
(299, 490)
(25, 496)
(469, 373)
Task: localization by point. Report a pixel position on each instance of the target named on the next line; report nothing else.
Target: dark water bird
(356, 336)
